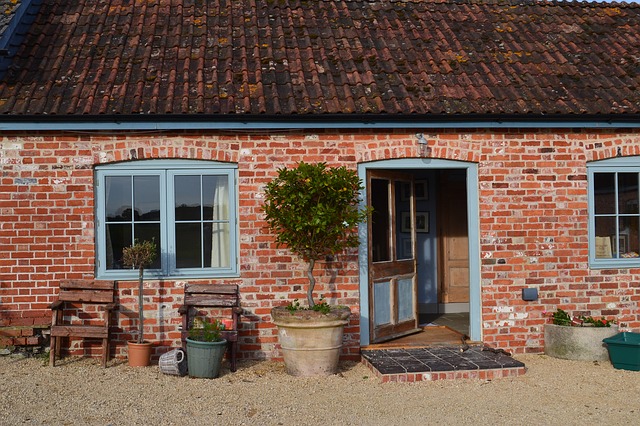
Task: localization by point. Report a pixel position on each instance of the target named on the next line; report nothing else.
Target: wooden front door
(453, 236)
(393, 302)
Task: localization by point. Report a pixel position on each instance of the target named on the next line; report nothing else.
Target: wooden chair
(213, 296)
(87, 297)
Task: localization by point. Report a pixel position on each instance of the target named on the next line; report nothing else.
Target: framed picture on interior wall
(421, 190)
(422, 222)
(405, 217)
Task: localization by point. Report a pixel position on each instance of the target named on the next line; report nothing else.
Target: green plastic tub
(624, 350)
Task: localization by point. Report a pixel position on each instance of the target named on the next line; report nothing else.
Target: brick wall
(533, 227)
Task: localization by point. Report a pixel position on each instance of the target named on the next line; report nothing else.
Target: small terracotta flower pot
(139, 354)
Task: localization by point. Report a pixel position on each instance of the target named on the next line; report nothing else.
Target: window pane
(187, 197)
(146, 192)
(628, 237)
(216, 245)
(150, 232)
(380, 220)
(604, 193)
(627, 193)
(404, 244)
(118, 198)
(605, 235)
(188, 245)
(118, 237)
(215, 197)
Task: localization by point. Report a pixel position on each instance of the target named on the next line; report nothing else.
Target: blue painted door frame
(475, 301)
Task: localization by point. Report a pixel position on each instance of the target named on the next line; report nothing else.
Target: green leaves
(313, 209)
(140, 255)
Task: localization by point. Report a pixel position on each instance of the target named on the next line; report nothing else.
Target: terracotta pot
(311, 341)
(139, 354)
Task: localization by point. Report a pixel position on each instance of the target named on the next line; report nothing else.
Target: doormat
(441, 362)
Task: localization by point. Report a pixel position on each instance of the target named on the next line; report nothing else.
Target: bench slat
(211, 288)
(86, 331)
(202, 300)
(88, 296)
(86, 284)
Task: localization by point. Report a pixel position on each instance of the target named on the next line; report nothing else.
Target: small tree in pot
(313, 210)
(139, 256)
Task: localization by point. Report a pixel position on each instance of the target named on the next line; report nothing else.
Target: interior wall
(427, 254)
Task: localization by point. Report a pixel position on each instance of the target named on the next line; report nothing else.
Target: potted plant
(205, 349)
(140, 255)
(314, 211)
(577, 337)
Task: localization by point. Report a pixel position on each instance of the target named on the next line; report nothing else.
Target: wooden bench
(213, 296)
(94, 302)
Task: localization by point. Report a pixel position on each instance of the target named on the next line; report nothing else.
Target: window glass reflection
(627, 193)
(146, 196)
(118, 198)
(187, 196)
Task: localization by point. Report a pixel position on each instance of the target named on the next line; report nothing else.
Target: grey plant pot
(205, 358)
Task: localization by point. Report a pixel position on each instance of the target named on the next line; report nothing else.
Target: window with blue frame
(614, 217)
(188, 208)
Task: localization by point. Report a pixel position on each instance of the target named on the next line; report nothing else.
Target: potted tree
(205, 349)
(139, 256)
(314, 211)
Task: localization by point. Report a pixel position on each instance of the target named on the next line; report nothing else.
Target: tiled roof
(168, 58)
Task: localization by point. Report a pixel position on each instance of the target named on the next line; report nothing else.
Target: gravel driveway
(80, 392)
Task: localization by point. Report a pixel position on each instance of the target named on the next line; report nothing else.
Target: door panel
(405, 299)
(392, 265)
(382, 303)
(454, 240)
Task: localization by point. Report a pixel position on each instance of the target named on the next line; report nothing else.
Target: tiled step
(440, 363)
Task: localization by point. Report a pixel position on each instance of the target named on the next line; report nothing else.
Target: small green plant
(140, 255)
(561, 317)
(322, 306)
(294, 306)
(600, 322)
(203, 331)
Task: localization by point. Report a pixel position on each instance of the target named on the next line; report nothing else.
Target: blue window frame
(187, 207)
(614, 218)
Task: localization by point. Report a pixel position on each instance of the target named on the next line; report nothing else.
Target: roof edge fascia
(303, 122)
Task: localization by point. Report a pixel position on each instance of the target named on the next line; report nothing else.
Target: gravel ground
(80, 392)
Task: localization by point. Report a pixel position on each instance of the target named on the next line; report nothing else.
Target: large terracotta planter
(577, 343)
(311, 341)
(139, 354)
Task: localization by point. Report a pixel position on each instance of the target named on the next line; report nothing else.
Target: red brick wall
(533, 226)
